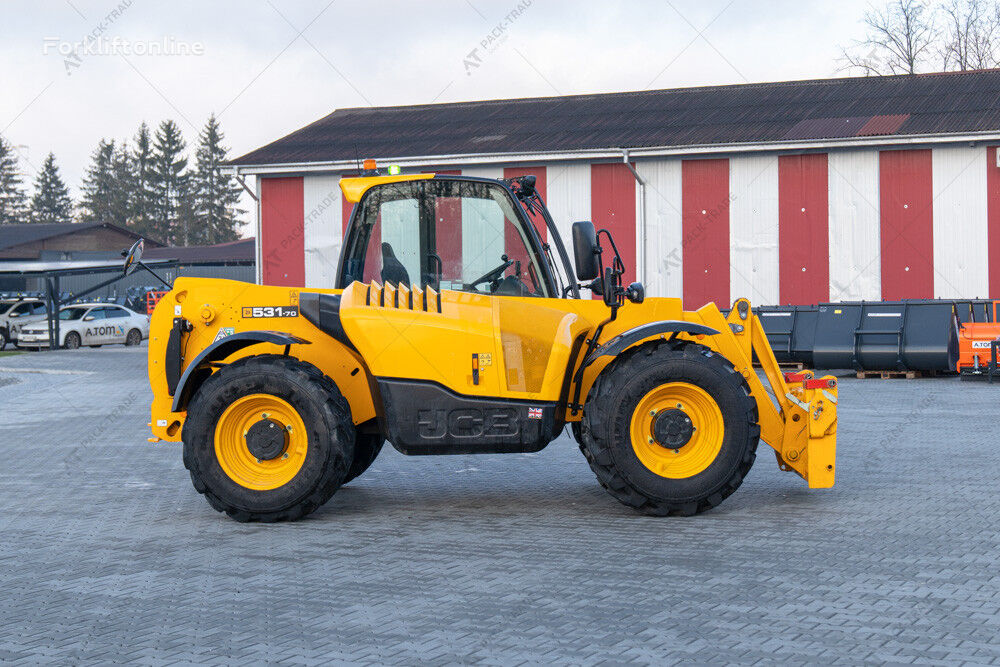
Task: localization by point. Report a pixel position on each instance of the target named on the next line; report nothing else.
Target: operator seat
(393, 270)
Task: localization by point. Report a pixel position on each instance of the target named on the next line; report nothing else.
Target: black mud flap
(426, 418)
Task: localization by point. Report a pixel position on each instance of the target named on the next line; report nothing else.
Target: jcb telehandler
(455, 328)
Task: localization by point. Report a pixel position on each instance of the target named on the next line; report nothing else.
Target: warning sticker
(223, 332)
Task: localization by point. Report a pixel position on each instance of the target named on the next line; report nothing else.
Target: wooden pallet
(909, 375)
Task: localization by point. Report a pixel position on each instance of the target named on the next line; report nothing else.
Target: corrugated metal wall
(321, 229)
(961, 260)
(863, 223)
(753, 233)
(855, 266)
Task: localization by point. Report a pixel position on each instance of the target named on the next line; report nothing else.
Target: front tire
(72, 341)
(670, 430)
(268, 438)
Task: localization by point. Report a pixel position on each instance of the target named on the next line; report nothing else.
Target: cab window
(72, 313)
(22, 309)
(448, 234)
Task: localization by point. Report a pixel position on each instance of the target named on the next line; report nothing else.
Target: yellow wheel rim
(235, 457)
(705, 442)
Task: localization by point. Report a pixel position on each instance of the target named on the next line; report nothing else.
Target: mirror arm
(155, 275)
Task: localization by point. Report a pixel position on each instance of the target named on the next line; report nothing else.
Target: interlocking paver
(109, 555)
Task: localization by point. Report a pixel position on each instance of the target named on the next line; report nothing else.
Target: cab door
(469, 240)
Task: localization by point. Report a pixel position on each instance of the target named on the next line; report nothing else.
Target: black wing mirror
(133, 257)
(133, 260)
(586, 251)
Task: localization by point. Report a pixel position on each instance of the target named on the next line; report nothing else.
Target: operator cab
(449, 233)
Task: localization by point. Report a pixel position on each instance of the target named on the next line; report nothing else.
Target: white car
(92, 324)
(14, 313)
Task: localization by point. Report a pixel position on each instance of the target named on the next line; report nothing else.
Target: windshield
(4, 307)
(72, 313)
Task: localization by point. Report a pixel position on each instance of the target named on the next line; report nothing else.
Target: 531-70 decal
(270, 311)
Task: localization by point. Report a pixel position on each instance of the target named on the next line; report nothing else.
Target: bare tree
(969, 40)
(898, 39)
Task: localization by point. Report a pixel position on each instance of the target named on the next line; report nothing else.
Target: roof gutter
(466, 159)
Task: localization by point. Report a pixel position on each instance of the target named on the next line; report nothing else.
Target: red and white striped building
(797, 192)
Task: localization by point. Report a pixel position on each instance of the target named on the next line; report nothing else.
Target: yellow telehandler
(455, 328)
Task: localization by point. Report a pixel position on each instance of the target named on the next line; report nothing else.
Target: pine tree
(99, 185)
(215, 196)
(170, 185)
(51, 202)
(12, 198)
(122, 186)
(141, 212)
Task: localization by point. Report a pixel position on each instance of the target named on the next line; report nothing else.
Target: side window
(39, 309)
(97, 313)
(385, 245)
(21, 309)
(114, 312)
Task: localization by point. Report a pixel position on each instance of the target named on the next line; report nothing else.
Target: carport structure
(52, 271)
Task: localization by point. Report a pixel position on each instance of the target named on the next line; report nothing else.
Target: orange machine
(152, 298)
(975, 343)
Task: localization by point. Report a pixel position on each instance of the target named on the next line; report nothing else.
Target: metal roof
(242, 250)
(15, 235)
(922, 104)
(68, 267)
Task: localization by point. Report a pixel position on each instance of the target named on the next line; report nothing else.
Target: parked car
(14, 314)
(92, 324)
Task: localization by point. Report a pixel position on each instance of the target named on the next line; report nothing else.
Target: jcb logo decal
(467, 423)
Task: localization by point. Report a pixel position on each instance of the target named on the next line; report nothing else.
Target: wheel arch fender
(196, 372)
(628, 338)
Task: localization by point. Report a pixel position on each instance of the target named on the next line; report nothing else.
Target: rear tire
(366, 449)
(3, 339)
(133, 338)
(72, 341)
(624, 451)
(283, 484)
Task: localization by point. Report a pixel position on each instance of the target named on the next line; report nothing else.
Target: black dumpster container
(790, 331)
(885, 335)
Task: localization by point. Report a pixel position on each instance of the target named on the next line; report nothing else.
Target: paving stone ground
(108, 555)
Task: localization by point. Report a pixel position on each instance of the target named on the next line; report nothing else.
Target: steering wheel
(494, 276)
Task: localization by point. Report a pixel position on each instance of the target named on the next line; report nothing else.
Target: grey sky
(265, 79)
